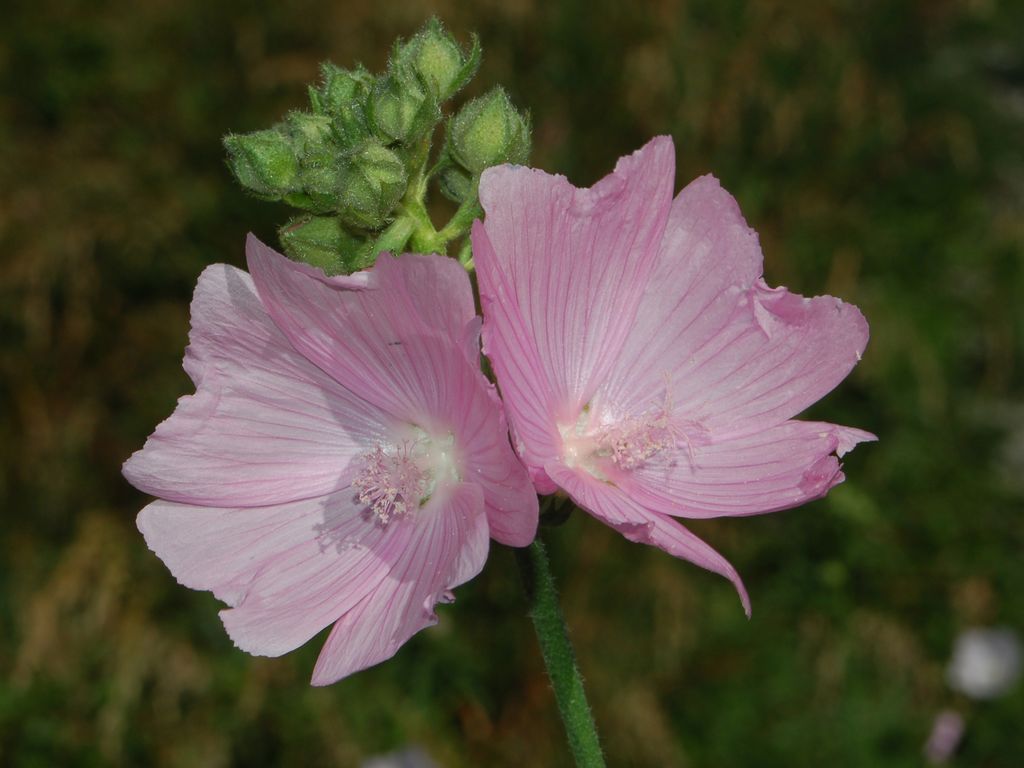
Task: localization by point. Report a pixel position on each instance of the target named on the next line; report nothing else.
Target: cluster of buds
(357, 164)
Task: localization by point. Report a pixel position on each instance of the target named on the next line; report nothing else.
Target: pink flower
(646, 368)
(343, 460)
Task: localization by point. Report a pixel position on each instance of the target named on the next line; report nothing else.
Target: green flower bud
(319, 190)
(488, 131)
(318, 152)
(341, 88)
(319, 240)
(342, 98)
(373, 181)
(456, 184)
(400, 109)
(309, 133)
(264, 162)
(441, 64)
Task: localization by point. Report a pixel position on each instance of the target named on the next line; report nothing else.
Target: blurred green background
(878, 148)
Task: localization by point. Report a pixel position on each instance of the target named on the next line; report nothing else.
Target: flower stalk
(559, 657)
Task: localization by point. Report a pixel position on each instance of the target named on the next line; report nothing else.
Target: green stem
(462, 219)
(424, 237)
(558, 654)
(391, 239)
(466, 255)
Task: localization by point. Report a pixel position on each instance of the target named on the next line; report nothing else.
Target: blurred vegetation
(878, 148)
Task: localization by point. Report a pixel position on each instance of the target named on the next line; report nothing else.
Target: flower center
(635, 440)
(396, 482)
(605, 443)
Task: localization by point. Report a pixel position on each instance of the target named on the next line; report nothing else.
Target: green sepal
(309, 132)
(342, 87)
(319, 155)
(400, 109)
(455, 183)
(342, 96)
(373, 181)
(320, 241)
(470, 67)
(264, 162)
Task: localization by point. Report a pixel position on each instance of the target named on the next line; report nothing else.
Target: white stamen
(396, 483)
(627, 442)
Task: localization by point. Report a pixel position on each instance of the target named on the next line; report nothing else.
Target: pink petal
(447, 547)
(528, 398)
(374, 341)
(733, 353)
(708, 258)
(776, 468)
(637, 523)
(478, 417)
(475, 417)
(440, 292)
(411, 358)
(794, 352)
(288, 571)
(509, 496)
(265, 425)
(565, 269)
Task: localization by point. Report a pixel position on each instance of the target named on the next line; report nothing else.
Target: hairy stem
(558, 654)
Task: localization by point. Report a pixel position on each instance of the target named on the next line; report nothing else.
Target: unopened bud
(489, 131)
(443, 67)
(456, 184)
(342, 97)
(318, 240)
(340, 88)
(318, 152)
(264, 162)
(373, 181)
(309, 133)
(400, 109)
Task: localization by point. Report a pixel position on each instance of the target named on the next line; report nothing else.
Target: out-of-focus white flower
(986, 662)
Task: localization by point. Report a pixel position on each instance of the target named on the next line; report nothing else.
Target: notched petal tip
(658, 153)
(778, 309)
(494, 181)
(819, 478)
(850, 437)
(653, 166)
(705, 198)
(649, 171)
